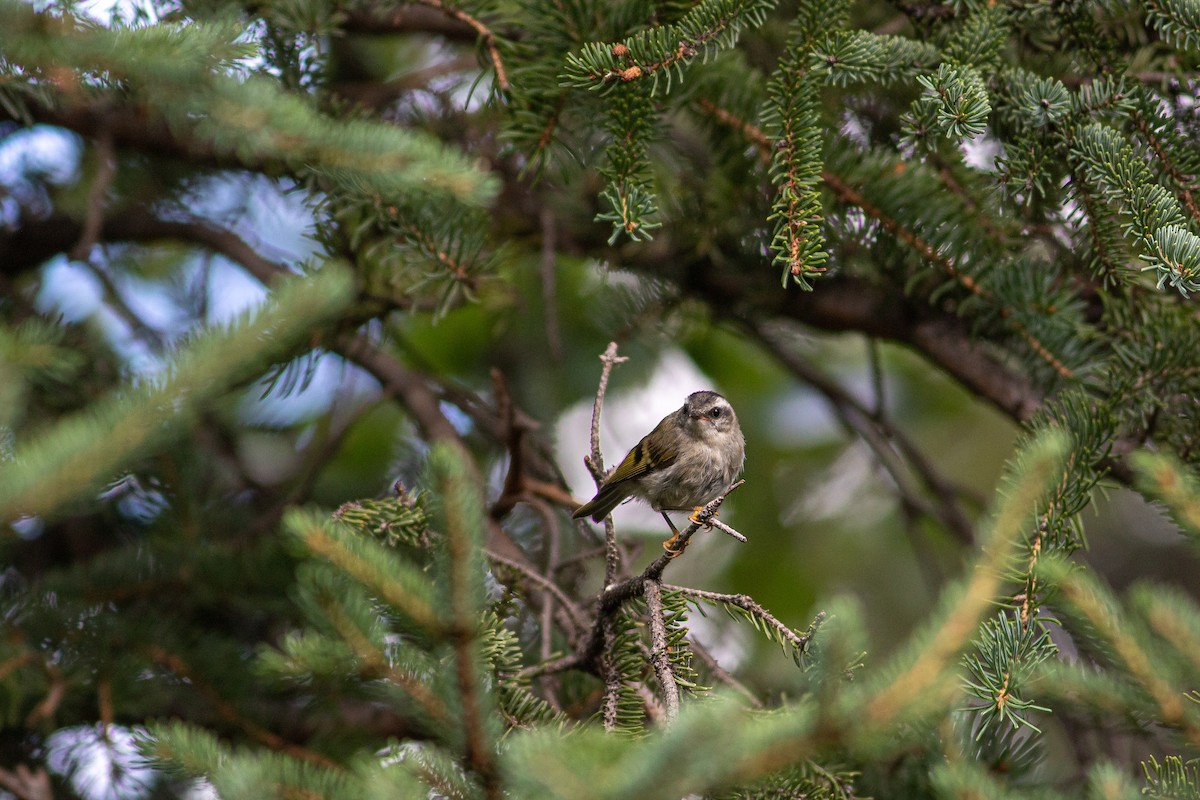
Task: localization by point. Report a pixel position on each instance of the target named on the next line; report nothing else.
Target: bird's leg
(669, 544)
(694, 517)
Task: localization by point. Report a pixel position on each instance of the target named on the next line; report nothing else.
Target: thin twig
(615, 595)
(550, 283)
(750, 606)
(595, 461)
(543, 582)
(106, 170)
(659, 657)
(721, 674)
(485, 35)
(723, 528)
(883, 439)
(606, 631)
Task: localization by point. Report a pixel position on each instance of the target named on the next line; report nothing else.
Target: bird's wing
(641, 459)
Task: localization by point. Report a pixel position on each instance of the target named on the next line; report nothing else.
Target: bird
(693, 455)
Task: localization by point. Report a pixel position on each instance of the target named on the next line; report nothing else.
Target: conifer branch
(463, 511)
(1087, 597)
(745, 602)
(176, 664)
(967, 605)
(709, 24)
(851, 196)
(82, 451)
(1164, 160)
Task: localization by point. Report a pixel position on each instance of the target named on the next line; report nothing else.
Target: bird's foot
(694, 517)
(672, 550)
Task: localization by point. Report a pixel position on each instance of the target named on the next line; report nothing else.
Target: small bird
(689, 458)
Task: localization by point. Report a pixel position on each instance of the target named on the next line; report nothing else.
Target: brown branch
(36, 241)
(514, 430)
(106, 170)
(551, 588)
(852, 196)
(409, 387)
(750, 606)
(226, 710)
(595, 461)
(483, 32)
(53, 699)
(756, 135)
(881, 438)
(723, 675)
(659, 656)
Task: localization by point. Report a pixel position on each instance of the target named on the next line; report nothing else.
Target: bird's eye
(716, 412)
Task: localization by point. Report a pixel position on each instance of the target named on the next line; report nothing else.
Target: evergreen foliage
(322, 548)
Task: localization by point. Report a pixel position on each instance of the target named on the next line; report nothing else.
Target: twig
(883, 439)
(53, 699)
(750, 606)
(550, 283)
(513, 488)
(722, 674)
(106, 170)
(723, 528)
(659, 656)
(595, 461)
(615, 595)
(485, 35)
(543, 582)
(400, 382)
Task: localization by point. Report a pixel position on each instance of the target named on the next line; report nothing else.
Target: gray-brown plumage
(689, 458)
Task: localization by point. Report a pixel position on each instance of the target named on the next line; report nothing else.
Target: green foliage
(417, 190)
(1174, 778)
(1006, 652)
(664, 50)
(79, 454)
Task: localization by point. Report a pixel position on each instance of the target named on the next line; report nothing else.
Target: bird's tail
(600, 506)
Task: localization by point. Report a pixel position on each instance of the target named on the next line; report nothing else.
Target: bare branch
(881, 438)
(595, 462)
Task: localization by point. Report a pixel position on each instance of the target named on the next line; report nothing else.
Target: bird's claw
(669, 546)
